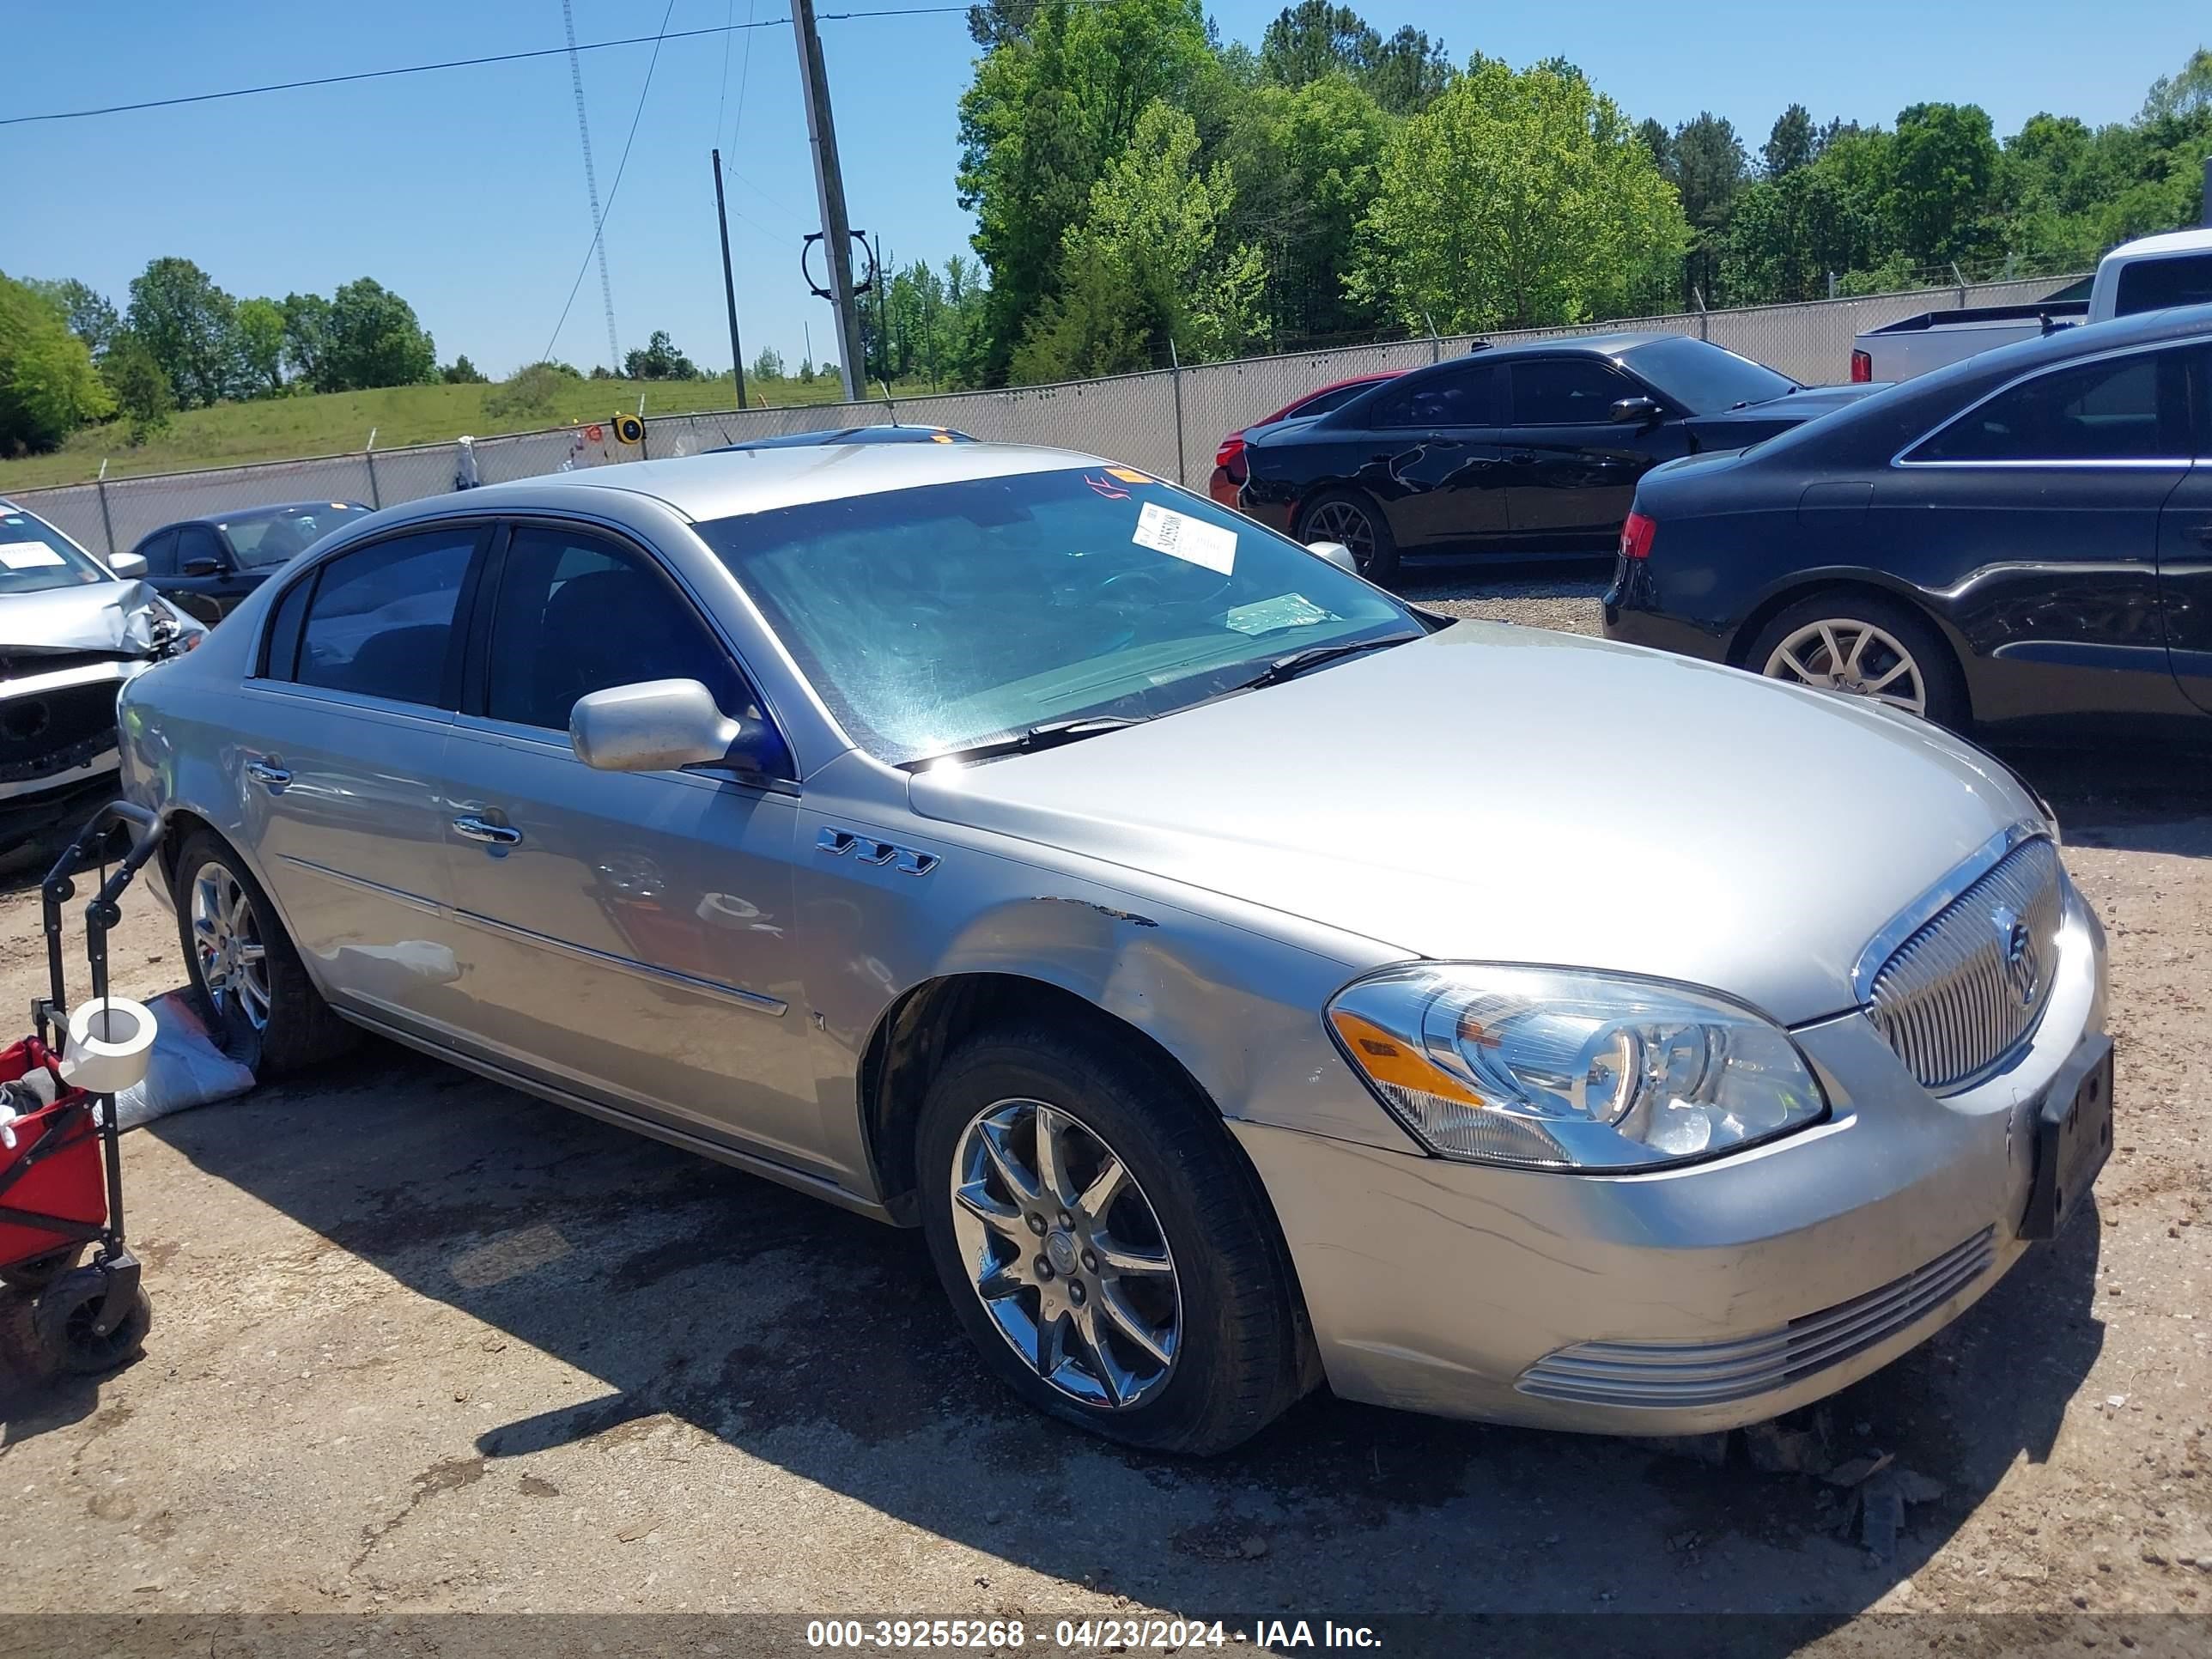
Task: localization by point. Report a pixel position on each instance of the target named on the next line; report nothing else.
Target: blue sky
(464, 193)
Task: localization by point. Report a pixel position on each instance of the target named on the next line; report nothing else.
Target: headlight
(1557, 1069)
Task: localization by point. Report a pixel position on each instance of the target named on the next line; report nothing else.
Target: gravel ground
(424, 1345)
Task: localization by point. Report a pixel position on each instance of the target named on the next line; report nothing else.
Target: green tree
(375, 340)
(1787, 236)
(2182, 96)
(1053, 102)
(1710, 168)
(1943, 168)
(308, 340)
(48, 387)
(186, 321)
(1148, 268)
(1518, 198)
(659, 360)
(91, 315)
(1306, 162)
(767, 364)
(1315, 39)
(462, 372)
(258, 336)
(1791, 143)
(141, 391)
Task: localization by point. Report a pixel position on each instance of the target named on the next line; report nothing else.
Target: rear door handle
(493, 835)
(270, 777)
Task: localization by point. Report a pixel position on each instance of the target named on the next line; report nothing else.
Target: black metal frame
(50, 1019)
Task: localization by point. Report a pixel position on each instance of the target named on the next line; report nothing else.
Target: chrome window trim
(2037, 373)
(1924, 908)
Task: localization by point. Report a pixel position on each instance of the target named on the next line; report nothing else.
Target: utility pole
(829, 187)
(592, 189)
(729, 284)
(882, 308)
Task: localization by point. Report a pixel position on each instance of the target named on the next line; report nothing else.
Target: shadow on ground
(820, 1342)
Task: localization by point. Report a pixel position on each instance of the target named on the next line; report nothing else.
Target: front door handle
(2203, 533)
(1522, 458)
(493, 835)
(270, 777)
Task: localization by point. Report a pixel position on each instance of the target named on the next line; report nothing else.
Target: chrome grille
(1677, 1374)
(1968, 986)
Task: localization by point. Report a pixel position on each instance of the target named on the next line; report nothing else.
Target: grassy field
(281, 428)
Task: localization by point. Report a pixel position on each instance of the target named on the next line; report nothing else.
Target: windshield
(1704, 379)
(933, 619)
(35, 557)
(273, 539)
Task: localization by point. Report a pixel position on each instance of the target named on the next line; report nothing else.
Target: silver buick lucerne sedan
(1242, 979)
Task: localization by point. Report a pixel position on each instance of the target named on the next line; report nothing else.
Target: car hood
(1792, 409)
(1496, 793)
(105, 616)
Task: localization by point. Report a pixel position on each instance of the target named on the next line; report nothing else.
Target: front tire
(1857, 645)
(260, 1004)
(1110, 1256)
(1347, 516)
(70, 1308)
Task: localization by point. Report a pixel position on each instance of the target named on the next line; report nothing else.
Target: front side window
(577, 614)
(160, 552)
(1567, 391)
(35, 557)
(2116, 409)
(934, 619)
(270, 540)
(2180, 279)
(381, 621)
(196, 541)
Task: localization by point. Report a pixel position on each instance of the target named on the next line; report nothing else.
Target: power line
(465, 63)
(614, 190)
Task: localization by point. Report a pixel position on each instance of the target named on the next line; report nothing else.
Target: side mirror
(1637, 412)
(128, 565)
(202, 565)
(1337, 554)
(656, 726)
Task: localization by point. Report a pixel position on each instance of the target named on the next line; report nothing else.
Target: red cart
(61, 1182)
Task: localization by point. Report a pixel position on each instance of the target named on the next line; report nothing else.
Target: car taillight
(1637, 533)
(1862, 369)
(1230, 455)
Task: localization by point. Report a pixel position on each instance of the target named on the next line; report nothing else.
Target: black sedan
(207, 566)
(1513, 449)
(2020, 542)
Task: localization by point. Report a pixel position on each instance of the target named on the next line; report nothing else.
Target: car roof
(2170, 241)
(725, 483)
(889, 433)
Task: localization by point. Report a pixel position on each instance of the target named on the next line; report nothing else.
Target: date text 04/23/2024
(1084, 1635)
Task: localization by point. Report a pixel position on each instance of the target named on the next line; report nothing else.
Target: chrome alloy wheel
(227, 939)
(1066, 1253)
(1856, 658)
(1344, 522)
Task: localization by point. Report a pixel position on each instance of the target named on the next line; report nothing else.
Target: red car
(1229, 460)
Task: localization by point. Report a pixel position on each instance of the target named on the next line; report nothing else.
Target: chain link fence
(1167, 421)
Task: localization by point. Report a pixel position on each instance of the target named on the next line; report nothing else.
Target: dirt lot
(424, 1345)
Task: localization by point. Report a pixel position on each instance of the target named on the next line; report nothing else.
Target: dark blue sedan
(207, 566)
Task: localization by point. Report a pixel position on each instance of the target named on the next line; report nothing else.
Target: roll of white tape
(109, 1043)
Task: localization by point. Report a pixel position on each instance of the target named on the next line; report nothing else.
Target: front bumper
(1685, 1301)
(58, 745)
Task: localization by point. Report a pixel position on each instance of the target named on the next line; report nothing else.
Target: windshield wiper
(1049, 734)
(1298, 662)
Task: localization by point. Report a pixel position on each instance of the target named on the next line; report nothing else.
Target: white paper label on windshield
(1267, 616)
(27, 556)
(1182, 537)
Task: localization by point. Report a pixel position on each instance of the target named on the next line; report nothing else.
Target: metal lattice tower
(592, 186)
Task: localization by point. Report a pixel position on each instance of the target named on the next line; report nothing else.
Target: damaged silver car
(73, 632)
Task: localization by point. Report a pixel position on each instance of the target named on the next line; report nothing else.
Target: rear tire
(1859, 645)
(66, 1313)
(1347, 516)
(273, 1020)
(1187, 1256)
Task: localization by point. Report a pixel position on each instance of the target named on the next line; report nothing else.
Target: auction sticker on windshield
(1182, 537)
(27, 555)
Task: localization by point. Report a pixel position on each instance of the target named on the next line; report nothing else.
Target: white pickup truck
(2148, 275)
